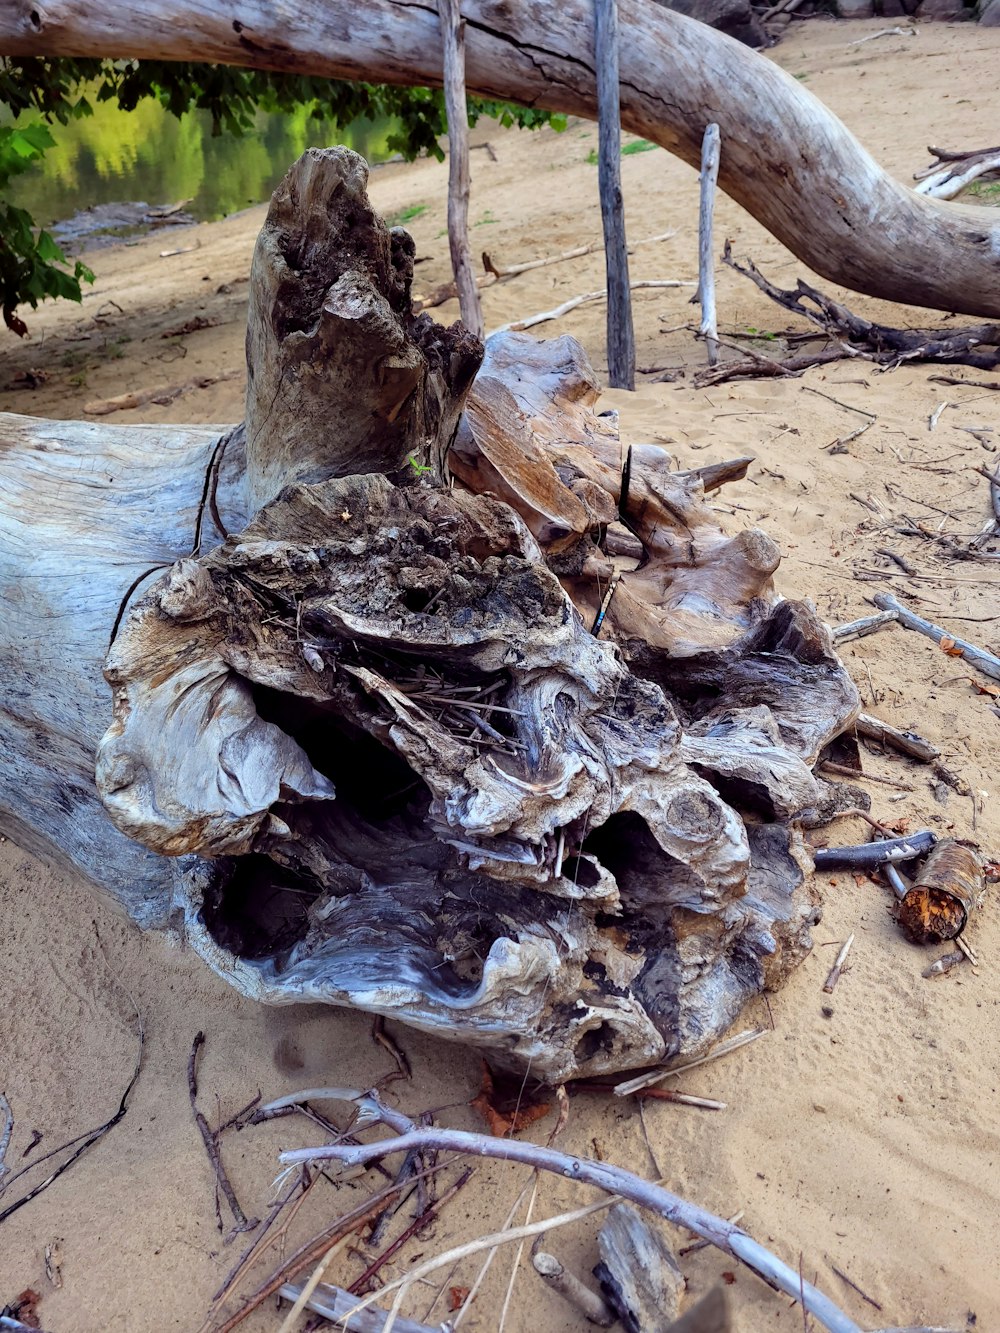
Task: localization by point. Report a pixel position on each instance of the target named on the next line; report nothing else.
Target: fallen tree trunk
(788, 160)
(380, 741)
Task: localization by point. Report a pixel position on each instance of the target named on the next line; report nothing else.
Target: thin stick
(621, 334)
(884, 32)
(558, 311)
(838, 445)
(84, 1140)
(574, 1292)
(453, 33)
(418, 1224)
(842, 771)
(506, 273)
(515, 270)
(967, 949)
(835, 971)
(855, 812)
(857, 629)
(726, 1237)
(516, 1265)
(257, 1246)
(680, 1098)
(657, 1095)
(984, 661)
(854, 1287)
(974, 384)
(906, 741)
(212, 1144)
(705, 294)
(807, 388)
(634, 1085)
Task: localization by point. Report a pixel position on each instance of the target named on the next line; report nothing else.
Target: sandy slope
(867, 1140)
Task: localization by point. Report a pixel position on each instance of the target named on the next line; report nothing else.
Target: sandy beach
(863, 1140)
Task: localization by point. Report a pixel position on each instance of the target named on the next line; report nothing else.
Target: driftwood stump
(366, 742)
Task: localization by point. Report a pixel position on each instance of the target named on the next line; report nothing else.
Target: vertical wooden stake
(621, 336)
(710, 145)
(453, 28)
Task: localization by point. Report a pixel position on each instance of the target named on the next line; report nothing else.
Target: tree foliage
(31, 264)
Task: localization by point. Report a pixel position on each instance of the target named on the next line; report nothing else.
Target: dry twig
(838, 966)
(730, 1239)
(83, 1141)
(211, 1142)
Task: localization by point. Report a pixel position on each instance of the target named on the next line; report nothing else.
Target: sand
(864, 1140)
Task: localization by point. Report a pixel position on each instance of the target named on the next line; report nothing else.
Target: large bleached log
(788, 160)
(365, 746)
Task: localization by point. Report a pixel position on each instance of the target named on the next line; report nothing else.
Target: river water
(152, 156)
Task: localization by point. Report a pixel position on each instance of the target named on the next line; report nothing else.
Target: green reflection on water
(151, 156)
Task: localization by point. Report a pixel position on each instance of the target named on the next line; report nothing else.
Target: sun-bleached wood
(342, 378)
(788, 160)
(705, 294)
(459, 181)
(368, 744)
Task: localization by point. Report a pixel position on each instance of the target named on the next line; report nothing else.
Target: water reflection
(149, 155)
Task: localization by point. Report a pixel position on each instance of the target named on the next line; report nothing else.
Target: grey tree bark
(621, 334)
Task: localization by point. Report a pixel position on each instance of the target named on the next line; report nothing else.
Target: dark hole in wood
(374, 780)
(594, 1041)
(749, 798)
(644, 872)
(257, 909)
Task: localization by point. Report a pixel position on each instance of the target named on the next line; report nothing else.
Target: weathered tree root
(432, 751)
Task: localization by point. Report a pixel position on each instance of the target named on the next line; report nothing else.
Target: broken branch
(984, 661)
(908, 742)
(872, 855)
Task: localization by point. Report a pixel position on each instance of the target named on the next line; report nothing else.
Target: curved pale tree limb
(789, 161)
(725, 1236)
